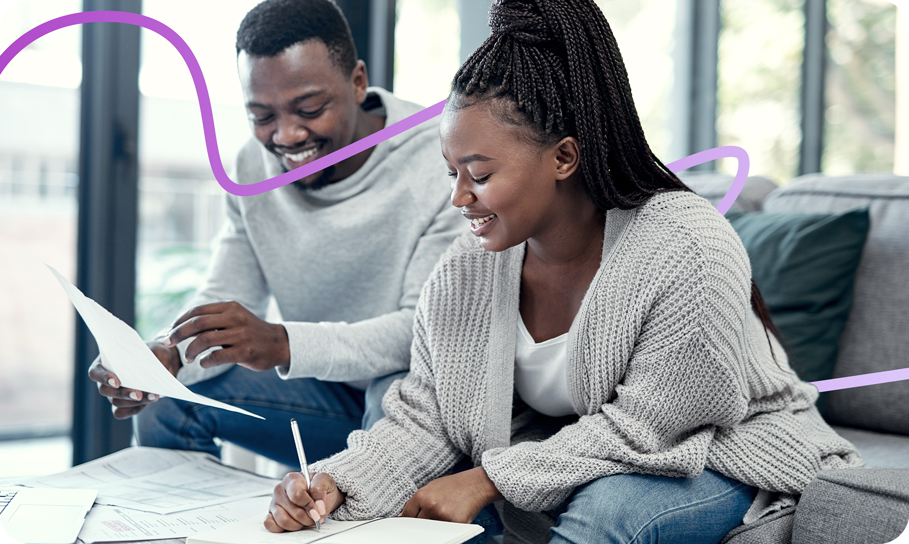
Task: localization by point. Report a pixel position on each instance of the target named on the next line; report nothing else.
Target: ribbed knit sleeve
(381, 469)
(675, 368)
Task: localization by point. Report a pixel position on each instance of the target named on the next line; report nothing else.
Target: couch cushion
(876, 337)
(773, 529)
(804, 264)
(853, 506)
(879, 450)
(714, 186)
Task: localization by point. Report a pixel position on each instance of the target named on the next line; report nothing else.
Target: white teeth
(302, 156)
(477, 222)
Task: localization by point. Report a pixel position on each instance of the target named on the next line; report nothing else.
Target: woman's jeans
(638, 508)
(326, 411)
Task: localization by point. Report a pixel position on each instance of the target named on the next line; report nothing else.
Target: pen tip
(293, 420)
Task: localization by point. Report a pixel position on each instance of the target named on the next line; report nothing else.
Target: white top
(540, 372)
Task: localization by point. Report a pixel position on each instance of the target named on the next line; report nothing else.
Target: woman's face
(504, 184)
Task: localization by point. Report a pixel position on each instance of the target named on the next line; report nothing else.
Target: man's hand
(293, 507)
(129, 402)
(244, 339)
(458, 497)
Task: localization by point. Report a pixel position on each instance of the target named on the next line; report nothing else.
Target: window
(39, 106)
(180, 203)
(759, 74)
(860, 119)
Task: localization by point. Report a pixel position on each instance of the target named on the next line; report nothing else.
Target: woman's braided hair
(558, 64)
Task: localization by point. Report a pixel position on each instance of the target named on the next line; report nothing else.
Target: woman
(595, 345)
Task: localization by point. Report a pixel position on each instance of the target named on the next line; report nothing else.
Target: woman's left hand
(458, 497)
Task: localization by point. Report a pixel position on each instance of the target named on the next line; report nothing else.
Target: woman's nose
(460, 195)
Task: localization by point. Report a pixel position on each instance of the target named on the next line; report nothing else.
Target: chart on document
(160, 481)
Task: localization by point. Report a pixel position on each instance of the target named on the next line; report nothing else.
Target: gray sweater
(345, 263)
(669, 369)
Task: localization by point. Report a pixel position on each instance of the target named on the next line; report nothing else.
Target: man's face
(302, 106)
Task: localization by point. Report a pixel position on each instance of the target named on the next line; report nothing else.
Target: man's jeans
(326, 411)
(639, 509)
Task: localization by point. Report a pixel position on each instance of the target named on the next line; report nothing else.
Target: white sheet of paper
(126, 355)
(378, 531)
(115, 524)
(252, 531)
(159, 480)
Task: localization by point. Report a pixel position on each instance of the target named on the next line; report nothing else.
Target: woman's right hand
(293, 507)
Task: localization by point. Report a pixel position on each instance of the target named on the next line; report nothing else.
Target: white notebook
(377, 531)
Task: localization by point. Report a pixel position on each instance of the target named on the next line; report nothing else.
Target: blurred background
(803, 85)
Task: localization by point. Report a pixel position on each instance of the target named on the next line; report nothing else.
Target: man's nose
(289, 134)
(460, 194)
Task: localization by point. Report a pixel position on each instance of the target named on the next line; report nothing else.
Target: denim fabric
(326, 411)
(638, 508)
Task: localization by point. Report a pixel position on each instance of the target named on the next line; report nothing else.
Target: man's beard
(320, 182)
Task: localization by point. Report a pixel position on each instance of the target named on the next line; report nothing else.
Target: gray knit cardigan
(669, 369)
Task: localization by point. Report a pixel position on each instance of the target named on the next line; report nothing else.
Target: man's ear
(568, 157)
(359, 78)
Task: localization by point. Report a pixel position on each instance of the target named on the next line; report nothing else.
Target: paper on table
(159, 480)
(126, 355)
(115, 524)
(253, 531)
(377, 531)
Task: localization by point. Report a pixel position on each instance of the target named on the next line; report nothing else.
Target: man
(344, 252)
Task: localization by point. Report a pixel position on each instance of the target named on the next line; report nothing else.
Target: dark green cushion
(804, 265)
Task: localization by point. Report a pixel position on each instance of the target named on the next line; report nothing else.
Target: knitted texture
(669, 370)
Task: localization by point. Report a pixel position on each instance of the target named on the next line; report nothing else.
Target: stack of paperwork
(152, 493)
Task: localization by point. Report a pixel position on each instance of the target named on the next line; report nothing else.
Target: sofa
(868, 505)
(862, 505)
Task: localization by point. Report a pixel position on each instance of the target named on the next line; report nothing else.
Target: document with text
(159, 480)
(126, 355)
(116, 524)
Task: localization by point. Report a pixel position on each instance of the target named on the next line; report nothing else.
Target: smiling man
(344, 252)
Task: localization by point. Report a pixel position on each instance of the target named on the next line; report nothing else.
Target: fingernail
(112, 383)
(168, 342)
(188, 360)
(320, 504)
(134, 395)
(152, 396)
(314, 515)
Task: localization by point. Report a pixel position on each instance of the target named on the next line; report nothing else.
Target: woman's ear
(568, 157)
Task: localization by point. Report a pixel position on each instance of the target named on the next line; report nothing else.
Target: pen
(304, 468)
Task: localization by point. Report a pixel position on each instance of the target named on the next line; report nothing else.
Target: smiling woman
(596, 335)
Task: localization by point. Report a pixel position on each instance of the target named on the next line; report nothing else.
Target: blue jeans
(638, 509)
(326, 411)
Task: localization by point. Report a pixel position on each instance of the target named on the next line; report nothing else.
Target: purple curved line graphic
(208, 123)
(214, 157)
(741, 173)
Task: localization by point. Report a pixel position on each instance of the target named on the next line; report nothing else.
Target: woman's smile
(481, 224)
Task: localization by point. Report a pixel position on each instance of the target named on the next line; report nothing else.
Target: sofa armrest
(864, 505)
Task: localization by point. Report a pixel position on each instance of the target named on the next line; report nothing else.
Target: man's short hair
(274, 25)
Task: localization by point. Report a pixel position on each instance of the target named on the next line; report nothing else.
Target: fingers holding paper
(294, 508)
(243, 337)
(129, 402)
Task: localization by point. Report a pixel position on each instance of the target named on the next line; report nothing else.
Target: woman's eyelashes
(475, 180)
